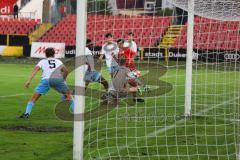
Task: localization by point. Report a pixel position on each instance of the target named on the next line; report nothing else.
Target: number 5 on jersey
(51, 64)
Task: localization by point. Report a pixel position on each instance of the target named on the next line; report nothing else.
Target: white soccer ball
(134, 74)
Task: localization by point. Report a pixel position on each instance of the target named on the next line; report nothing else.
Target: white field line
(162, 130)
(14, 95)
(13, 75)
(232, 120)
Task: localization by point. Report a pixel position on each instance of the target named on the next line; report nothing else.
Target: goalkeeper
(120, 84)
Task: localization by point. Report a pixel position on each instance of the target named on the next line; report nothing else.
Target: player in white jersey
(108, 49)
(91, 74)
(132, 43)
(54, 74)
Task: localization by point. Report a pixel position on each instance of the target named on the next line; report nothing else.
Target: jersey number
(51, 64)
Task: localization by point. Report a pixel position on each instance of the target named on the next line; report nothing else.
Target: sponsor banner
(220, 56)
(180, 54)
(38, 49)
(70, 51)
(6, 7)
(96, 51)
(205, 56)
(153, 53)
(170, 54)
(232, 57)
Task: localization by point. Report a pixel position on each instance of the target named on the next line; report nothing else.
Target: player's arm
(33, 74)
(64, 72)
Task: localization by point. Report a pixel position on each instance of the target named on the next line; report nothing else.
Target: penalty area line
(14, 95)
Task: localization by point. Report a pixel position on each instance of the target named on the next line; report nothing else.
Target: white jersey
(51, 68)
(133, 46)
(108, 50)
(89, 59)
(88, 52)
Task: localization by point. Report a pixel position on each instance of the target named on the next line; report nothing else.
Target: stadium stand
(17, 26)
(148, 30)
(212, 35)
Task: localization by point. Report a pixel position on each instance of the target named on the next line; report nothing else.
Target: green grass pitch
(154, 130)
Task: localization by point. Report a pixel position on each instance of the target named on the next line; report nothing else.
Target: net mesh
(227, 10)
(157, 129)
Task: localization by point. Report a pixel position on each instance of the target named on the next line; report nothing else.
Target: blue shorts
(55, 83)
(92, 76)
(113, 69)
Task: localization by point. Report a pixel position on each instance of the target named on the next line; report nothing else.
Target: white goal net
(157, 128)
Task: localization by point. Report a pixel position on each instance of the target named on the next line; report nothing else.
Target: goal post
(188, 83)
(79, 99)
(199, 79)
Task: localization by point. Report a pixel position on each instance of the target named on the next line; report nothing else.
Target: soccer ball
(134, 74)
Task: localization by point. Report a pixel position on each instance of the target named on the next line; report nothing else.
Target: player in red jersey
(126, 52)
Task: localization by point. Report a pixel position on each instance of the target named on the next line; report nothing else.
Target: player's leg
(104, 82)
(41, 89)
(61, 87)
(95, 76)
(134, 88)
(110, 98)
(87, 78)
(30, 105)
(113, 69)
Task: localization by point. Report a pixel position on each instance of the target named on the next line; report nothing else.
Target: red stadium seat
(99, 25)
(212, 34)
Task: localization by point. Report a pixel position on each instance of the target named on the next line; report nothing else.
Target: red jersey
(129, 55)
(62, 9)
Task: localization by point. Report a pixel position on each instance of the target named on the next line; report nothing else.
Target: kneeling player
(127, 53)
(120, 83)
(54, 74)
(91, 74)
